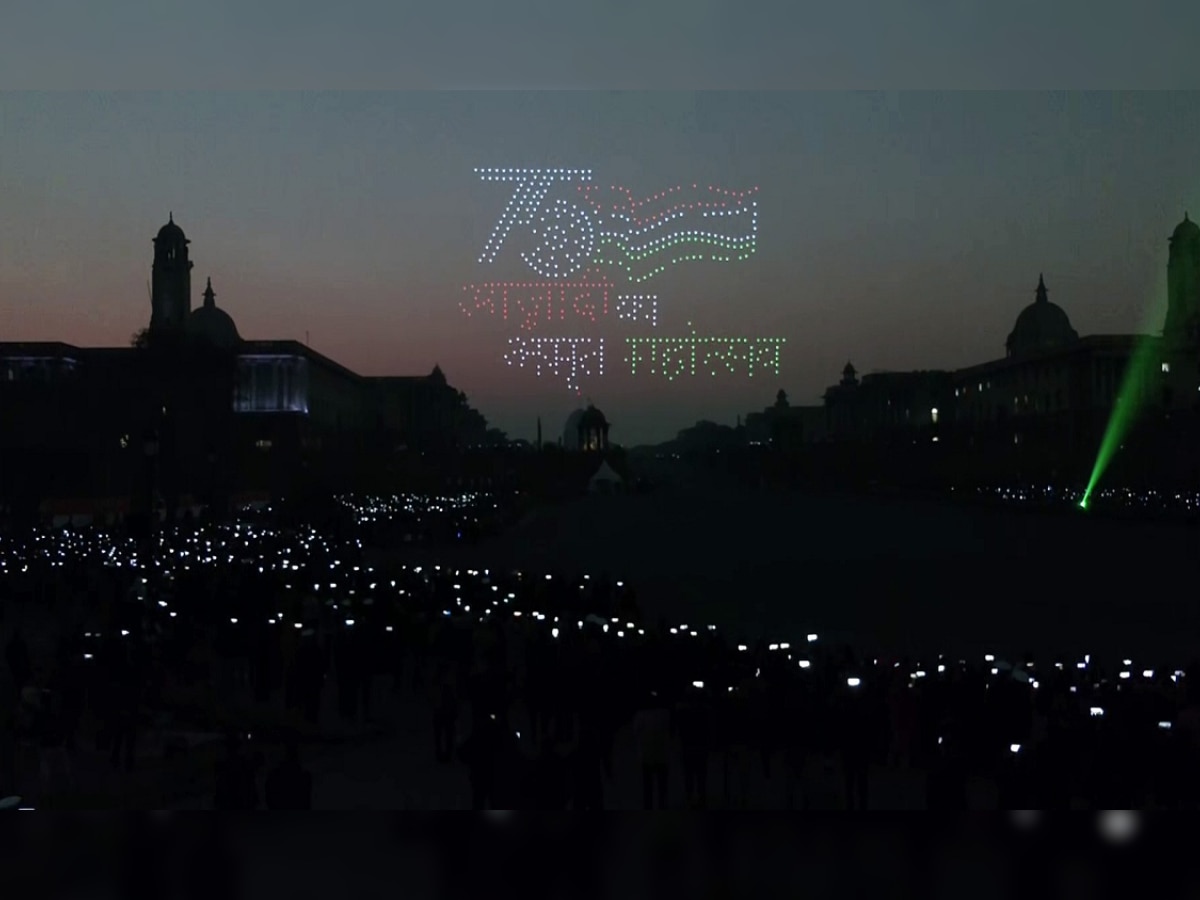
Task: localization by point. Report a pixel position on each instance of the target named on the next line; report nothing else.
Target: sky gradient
(895, 230)
(605, 44)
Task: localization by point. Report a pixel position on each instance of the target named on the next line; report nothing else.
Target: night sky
(895, 230)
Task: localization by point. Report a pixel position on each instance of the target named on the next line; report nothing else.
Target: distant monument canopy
(586, 429)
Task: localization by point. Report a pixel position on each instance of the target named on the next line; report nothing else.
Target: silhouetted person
(124, 710)
(310, 677)
(946, 787)
(236, 782)
(9, 701)
(445, 717)
(694, 729)
(587, 778)
(289, 785)
(735, 734)
(349, 664)
(16, 655)
(652, 728)
(903, 712)
(797, 745)
(540, 686)
(69, 683)
(266, 661)
(1186, 735)
(510, 789)
(856, 745)
(1054, 762)
(480, 753)
(550, 785)
(51, 736)
(231, 647)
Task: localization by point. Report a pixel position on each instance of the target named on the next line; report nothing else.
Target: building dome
(1041, 326)
(171, 233)
(1186, 231)
(212, 324)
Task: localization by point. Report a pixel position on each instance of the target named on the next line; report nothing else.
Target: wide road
(919, 576)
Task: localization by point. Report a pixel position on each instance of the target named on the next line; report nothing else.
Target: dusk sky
(895, 230)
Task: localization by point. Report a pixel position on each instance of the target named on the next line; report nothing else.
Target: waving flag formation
(612, 228)
(642, 237)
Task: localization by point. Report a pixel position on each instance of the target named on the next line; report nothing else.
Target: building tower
(849, 376)
(1182, 327)
(171, 280)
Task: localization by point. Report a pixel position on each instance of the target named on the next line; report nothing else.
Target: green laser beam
(1131, 400)
(1134, 392)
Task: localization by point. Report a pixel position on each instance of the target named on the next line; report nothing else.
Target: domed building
(1041, 327)
(213, 325)
(1042, 410)
(263, 416)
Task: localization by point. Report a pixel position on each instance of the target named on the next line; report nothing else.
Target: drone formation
(576, 244)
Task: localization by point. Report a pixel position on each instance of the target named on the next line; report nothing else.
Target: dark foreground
(891, 576)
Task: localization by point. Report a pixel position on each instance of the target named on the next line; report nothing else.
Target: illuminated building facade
(226, 414)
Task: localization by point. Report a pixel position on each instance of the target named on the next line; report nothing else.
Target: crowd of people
(529, 678)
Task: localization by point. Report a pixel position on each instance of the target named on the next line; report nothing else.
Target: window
(272, 384)
(263, 444)
(1166, 368)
